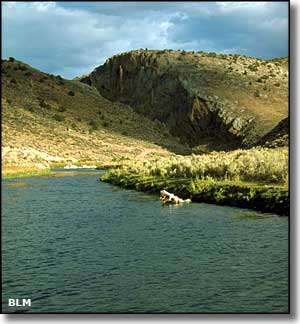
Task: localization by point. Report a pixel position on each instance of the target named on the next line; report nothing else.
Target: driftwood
(169, 198)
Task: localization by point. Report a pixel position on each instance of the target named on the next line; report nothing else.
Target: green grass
(255, 195)
(256, 178)
(257, 164)
(25, 174)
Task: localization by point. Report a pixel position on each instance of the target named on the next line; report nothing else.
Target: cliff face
(229, 99)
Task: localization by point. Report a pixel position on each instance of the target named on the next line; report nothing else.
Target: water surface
(74, 244)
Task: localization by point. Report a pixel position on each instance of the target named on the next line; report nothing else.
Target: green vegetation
(212, 54)
(255, 178)
(257, 164)
(12, 172)
(222, 102)
(266, 198)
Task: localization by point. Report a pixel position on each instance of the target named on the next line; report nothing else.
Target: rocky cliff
(227, 100)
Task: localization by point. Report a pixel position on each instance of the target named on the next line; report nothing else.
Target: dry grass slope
(49, 120)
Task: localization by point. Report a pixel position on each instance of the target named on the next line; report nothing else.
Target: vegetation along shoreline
(255, 178)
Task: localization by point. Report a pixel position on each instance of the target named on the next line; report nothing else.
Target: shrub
(93, 124)
(277, 84)
(11, 59)
(62, 109)
(22, 68)
(257, 94)
(42, 79)
(45, 105)
(257, 164)
(253, 67)
(212, 54)
(71, 93)
(58, 118)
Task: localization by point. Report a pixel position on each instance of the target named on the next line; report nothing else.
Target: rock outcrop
(278, 136)
(196, 95)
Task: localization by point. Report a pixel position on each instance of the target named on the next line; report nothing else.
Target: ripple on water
(76, 244)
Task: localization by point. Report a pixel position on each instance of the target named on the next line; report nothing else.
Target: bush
(42, 79)
(62, 109)
(212, 54)
(71, 93)
(257, 164)
(22, 68)
(93, 124)
(45, 105)
(58, 118)
(277, 84)
(11, 59)
(257, 94)
(253, 67)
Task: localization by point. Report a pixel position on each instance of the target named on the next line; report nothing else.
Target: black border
(128, 315)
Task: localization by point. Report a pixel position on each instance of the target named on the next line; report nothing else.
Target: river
(74, 244)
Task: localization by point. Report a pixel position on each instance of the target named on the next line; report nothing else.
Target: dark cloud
(70, 38)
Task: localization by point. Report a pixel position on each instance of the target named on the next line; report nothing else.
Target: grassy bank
(255, 178)
(11, 172)
(261, 197)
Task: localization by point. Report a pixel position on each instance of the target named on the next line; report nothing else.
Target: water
(73, 244)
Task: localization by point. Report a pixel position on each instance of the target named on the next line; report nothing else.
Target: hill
(209, 101)
(49, 120)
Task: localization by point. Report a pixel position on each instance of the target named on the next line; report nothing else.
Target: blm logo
(19, 302)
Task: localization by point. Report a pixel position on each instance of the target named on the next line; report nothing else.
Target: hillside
(209, 101)
(46, 120)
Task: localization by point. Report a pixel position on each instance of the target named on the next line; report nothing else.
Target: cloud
(71, 38)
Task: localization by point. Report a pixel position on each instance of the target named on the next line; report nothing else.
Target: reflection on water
(73, 244)
(251, 215)
(17, 184)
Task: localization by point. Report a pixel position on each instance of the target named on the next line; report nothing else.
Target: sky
(72, 38)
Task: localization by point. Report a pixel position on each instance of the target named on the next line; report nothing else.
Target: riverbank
(11, 172)
(262, 197)
(27, 172)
